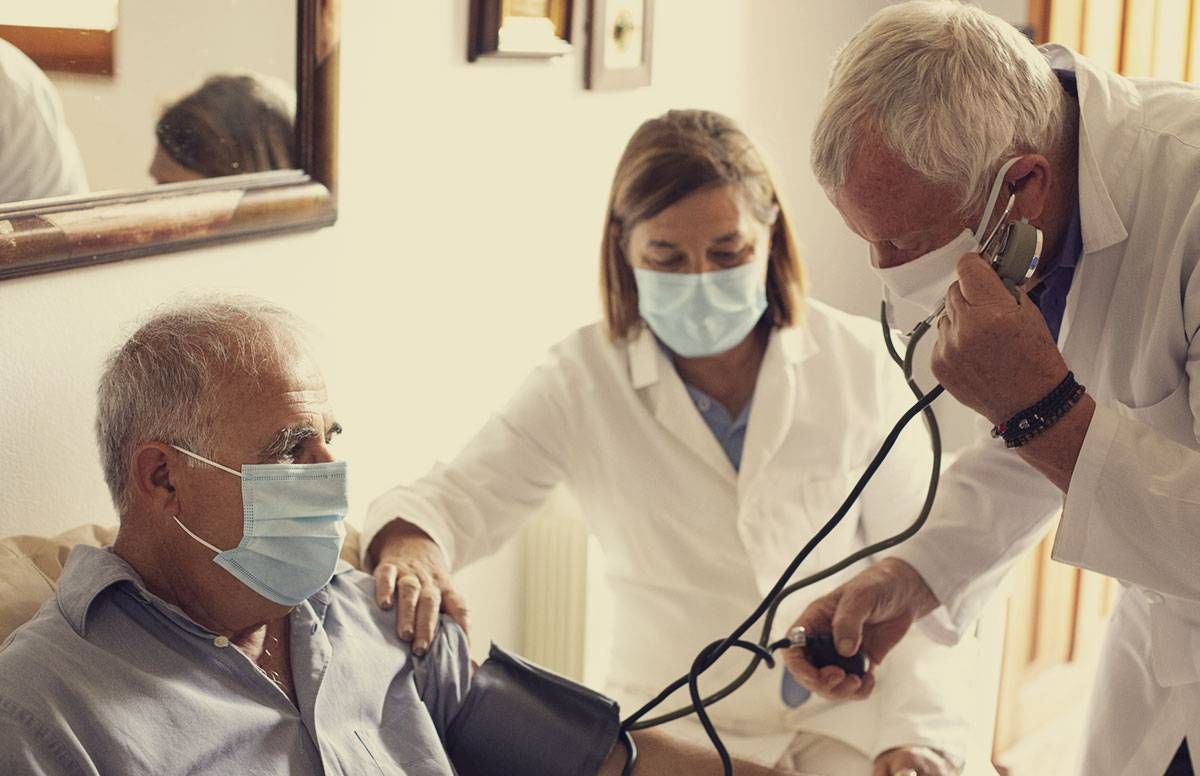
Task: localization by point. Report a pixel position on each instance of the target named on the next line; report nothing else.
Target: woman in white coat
(707, 428)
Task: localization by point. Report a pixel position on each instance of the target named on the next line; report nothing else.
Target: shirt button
(220, 641)
(1153, 597)
(704, 404)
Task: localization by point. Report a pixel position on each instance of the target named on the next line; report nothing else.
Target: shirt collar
(1109, 122)
(1072, 244)
(89, 571)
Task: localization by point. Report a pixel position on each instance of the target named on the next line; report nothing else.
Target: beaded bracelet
(1033, 420)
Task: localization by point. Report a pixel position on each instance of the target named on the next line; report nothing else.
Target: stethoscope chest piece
(1016, 255)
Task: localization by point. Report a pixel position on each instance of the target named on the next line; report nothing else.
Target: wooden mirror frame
(60, 233)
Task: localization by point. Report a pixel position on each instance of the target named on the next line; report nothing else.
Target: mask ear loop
(993, 196)
(188, 531)
(190, 454)
(201, 458)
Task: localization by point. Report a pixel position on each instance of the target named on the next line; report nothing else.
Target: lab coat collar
(647, 361)
(1110, 117)
(651, 373)
(775, 401)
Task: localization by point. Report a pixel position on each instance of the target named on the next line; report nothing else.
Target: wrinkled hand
(411, 575)
(922, 759)
(994, 355)
(872, 611)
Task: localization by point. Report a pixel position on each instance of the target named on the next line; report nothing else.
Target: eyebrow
(725, 238)
(287, 438)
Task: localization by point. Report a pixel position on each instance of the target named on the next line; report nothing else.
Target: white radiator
(568, 607)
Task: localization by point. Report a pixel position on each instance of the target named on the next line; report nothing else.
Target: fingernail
(846, 647)
(387, 603)
(406, 635)
(419, 648)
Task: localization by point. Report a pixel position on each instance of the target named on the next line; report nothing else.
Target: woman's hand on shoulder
(411, 575)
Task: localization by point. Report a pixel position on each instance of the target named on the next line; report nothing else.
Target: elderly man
(220, 633)
(936, 115)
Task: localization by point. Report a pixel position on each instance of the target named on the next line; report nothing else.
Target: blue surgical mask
(702, 313)
(292, 528)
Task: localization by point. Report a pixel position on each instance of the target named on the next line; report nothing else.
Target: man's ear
(151, 477)
(1029, 178)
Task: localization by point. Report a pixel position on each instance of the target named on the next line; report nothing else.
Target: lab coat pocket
(821, 496)
(1170, 416)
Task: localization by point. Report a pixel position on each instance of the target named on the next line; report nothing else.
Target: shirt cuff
(398, 502)
(939, 625)
(1071, 539)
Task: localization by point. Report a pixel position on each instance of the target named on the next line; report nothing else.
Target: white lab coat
(38, 155)
(691, 544)
(1132, 510)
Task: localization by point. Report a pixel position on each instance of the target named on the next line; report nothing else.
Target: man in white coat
(928, 105)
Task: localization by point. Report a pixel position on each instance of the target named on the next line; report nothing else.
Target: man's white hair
(950, 88)
(164, 384)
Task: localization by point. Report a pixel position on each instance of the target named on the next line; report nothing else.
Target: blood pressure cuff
(520, 718)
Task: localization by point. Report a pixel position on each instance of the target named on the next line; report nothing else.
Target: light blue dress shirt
(109, 679)
(729, 431)
(731, 434)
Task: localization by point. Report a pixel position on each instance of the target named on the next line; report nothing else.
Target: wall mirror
(214, 121)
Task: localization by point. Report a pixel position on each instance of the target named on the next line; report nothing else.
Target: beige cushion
(30, 566)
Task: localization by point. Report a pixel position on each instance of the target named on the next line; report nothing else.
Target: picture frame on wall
(531, 29)
(620, 43)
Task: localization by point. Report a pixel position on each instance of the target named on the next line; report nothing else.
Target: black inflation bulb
(820, 651)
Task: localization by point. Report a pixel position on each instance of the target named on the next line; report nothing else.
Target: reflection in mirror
(232, 124)
(197, 90)
(267, 68)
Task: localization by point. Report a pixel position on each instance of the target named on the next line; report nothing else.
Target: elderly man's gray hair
(163, 384)
(950, 88)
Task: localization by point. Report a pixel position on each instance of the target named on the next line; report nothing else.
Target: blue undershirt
(728, 430)
(1051, 293)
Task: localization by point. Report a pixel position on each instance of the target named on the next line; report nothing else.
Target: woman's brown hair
(232, 124)
(667, 159)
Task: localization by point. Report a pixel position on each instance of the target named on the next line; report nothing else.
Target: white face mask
(923, 282)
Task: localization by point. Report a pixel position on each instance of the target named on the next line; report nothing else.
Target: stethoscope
(1013, 249)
